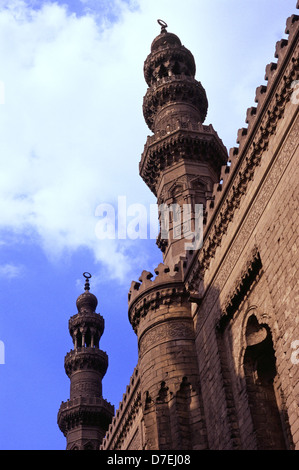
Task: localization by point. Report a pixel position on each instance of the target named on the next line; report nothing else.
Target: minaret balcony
(175, 89)
(85, 358)
(198, 144)
(84, 411)
(85, 320)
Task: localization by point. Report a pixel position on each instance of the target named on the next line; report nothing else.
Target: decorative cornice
(94, 411)
(85, 320)
(86, 358)
(248, 275)
(170, 54)
(162, 295)
(125, 415)
(128, 420)
(174, 89)
(245, 230)
(173, 328)
(181, 141)
(166, 288)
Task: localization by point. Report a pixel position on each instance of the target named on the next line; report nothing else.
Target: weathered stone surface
(217, 328)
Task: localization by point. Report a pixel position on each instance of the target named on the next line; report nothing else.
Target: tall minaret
(85, 417)
(182, 160)
(181, 163)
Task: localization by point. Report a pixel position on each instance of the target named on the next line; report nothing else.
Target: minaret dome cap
(165, 39)
(86, 302)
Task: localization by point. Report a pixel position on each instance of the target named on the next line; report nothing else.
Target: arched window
(176, 69)
(88, 446)
(163, 71)
(260, 374)
(79, 339)
(87, 338)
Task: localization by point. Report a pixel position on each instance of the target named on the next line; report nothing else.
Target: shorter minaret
(85, 417)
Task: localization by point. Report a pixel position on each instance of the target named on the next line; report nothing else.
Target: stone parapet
(85, 320)
(253, 140)
(181, 140)
(125, 415)
(84, 411)
(148, 294)
(86, 358)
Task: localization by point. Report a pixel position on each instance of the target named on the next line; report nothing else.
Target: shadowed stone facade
(216, 327)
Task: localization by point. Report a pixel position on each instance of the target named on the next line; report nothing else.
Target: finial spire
(87, 277)
(163, 26)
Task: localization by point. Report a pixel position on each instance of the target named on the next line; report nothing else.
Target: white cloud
(71, 127)
(11, 271)
(61, 126)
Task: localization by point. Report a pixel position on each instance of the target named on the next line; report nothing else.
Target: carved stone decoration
(181, 145)
(255, 333)
(170, 330)
(213, 238)
(149, 295)
(169, 72)
(86, 358)
(248, 156)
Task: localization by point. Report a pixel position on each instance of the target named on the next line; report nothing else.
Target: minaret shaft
(182, 160)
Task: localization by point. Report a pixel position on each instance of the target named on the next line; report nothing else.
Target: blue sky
(71, 137)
